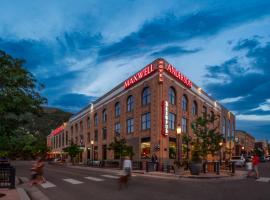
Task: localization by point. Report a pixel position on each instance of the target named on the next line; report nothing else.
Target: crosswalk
(73, 181)
(263, 179)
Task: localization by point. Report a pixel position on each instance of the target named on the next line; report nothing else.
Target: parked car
(267, 158)
(238, 160)
(262, 159)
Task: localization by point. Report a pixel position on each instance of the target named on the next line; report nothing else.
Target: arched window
(104, 115)
(130, 103)
(184, 103)
(146, 96)
(95, 119)
(224, 127)
(172, 95)
(194, 108)
(117, 109)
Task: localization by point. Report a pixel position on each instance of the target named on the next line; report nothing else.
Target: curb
(32, 192)
(22, 193)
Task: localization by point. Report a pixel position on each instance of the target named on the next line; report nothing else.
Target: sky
(81, 49)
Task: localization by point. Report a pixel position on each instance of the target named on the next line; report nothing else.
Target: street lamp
(220, 154)
(243, 150)
(179, 149)
(92, 147)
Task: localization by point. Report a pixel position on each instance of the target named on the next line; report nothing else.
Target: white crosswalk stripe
(47, 184)
(94, 178)
(110, 176)
(72, 181)
(263, 179)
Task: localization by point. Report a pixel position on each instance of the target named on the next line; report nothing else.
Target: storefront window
(145, 148)
(172, 148)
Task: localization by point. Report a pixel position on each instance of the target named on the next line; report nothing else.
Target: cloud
(173, 51)
(73, 102)
(172, 28)
(231, 100)
(238, 80)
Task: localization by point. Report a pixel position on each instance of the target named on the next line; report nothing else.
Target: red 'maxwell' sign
(139, 76)
(57, 130)
(179, 75)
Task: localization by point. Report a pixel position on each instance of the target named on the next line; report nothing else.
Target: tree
(207, 138)
(19, 94)
(120, 148)
(73, 150)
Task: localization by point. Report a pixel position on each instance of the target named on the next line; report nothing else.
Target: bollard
(217, 167)
(146, 167)
(233, 167)
(12, 177)
(204, 167)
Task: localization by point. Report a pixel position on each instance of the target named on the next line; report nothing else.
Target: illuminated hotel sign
(139, 76)
(58, 130)
(165, 118)
(179, 76)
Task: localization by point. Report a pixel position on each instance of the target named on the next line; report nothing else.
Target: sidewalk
(10, 194)
(164, 175)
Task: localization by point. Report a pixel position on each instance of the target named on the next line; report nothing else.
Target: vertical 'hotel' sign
(165, 118)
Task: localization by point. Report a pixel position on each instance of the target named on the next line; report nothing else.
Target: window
(194, 108)
(81, 126)
(104, 133)
(104, 116)
(184, 103)
(146, 121)
(145, 148)
(117, 129)
(117, 109)
(66, 138)
(204, 111)
(172, 117)
(172, 95)
(88, 137)
(130, 125)
(130, 103)
(184, 125)
(95, 119)
(172, 148)
(224, 127)
(229, 130)
(146, 96)
(76, 128)
(212, 115)
(96, 136)
(88, 122)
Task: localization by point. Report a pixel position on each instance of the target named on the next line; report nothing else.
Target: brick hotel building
(146, 109)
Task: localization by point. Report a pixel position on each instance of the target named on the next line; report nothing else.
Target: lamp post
(179, 149)
(220, 153)
(92, 147)
(243, 150)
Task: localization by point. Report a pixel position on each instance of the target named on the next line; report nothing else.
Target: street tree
(73, 150)
(120, 148)
(19, 94)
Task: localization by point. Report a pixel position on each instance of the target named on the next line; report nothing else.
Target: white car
(238, 160)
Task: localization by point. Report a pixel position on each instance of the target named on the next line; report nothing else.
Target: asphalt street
(65, 183)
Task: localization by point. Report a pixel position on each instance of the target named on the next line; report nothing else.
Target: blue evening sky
(82, 49)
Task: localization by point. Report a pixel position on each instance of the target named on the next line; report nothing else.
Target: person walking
(255, 163)
(126, 173)
(154, 160)
(37, 172)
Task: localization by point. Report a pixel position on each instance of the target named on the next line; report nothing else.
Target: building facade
(146, 110)
(244, 143)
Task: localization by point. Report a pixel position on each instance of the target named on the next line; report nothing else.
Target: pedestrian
(154, 160)
(249, 167)
(255, 164)
(126, 173)
(37, 172)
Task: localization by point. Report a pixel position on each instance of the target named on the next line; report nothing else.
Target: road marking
(110, 176)
(72, 181)
(94, 178)
(24, 179)
(263, 179)
(47, 184)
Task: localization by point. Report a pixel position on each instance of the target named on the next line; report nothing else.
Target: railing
(136, 165)
(7, 176)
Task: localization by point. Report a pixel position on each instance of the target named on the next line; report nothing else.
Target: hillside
(49, 120)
